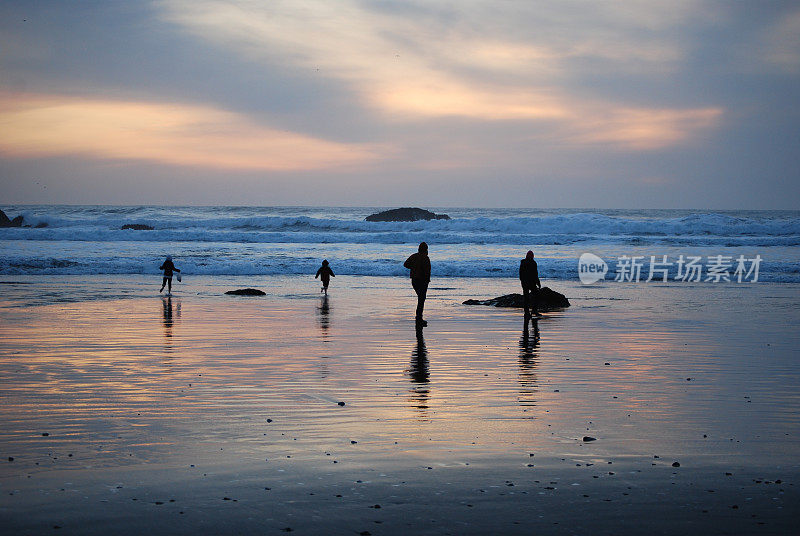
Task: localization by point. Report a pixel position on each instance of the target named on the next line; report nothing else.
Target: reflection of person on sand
(325, 273)
(324, 311)
(169, 319)
(528, 354)
(529, 277)
(168, 268)
(167, 303)
(420, 265)
(418, 372)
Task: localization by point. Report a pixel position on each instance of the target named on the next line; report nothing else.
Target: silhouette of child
(325, 273)
(168, 268)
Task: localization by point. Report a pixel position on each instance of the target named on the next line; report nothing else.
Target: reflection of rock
(5, 222)
(546, 299)
(406, 214)
(247, 292)
(137, 227)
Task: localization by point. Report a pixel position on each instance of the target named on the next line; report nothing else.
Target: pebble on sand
(340, 403)
(589, 438)
(675, 464)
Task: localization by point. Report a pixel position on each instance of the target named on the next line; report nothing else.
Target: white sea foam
(475, 243)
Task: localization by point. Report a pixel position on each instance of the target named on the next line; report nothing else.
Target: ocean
(78, 240)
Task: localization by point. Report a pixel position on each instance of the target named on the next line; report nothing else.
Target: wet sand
(219, 414)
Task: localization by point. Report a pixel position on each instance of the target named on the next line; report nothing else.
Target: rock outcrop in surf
(246, 292)
(406, 214)
(547, 300)
(6, 222)
(137, 227)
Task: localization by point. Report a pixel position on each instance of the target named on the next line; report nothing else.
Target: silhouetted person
(420, 266)
(529, 277)
(325, 273)
(168, 268)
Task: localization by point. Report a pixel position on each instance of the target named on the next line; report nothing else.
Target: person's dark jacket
(529, 274)
(326, 273)
(420, 266)
(168, 268)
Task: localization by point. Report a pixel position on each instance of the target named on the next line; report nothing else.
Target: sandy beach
(127, 412)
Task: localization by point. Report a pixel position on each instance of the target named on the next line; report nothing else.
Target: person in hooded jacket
(529, 277)
(168, 268)
(420, 265)
(325, 273)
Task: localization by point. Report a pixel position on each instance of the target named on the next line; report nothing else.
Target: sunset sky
(673, 104)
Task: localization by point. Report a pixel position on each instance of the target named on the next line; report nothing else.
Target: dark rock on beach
(5, 222)
(246, 292)
(137, 227)
(406, 214)
(546, 300)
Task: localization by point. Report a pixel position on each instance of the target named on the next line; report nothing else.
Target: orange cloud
(436, 71)
(177, 134)
(642, 128)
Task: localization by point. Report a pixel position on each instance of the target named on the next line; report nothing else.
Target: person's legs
(169, 285)
(421, 288)
(163, 284)
(526, 297)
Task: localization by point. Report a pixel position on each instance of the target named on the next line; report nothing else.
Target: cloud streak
(412, 67)
(176, 134)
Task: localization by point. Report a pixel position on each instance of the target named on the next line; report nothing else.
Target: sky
(613, 104)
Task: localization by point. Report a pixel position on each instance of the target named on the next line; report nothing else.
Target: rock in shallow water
(406, 214)
(546, 299)
(137, 227)
(6, 222)
(246, 292)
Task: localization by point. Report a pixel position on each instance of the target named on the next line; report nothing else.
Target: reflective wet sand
(231, 408)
